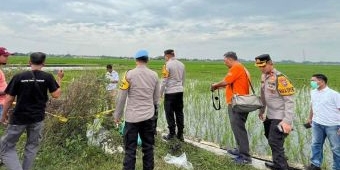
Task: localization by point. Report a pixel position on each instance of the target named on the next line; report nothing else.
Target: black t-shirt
(30, 88)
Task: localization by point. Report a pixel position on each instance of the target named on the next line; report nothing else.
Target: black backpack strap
(36, 84)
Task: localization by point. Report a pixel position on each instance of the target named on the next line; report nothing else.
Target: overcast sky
(286, 29)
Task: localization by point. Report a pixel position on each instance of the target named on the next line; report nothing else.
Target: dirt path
(256, 162)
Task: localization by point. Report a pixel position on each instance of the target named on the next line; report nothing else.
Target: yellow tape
(101, 114)
(63, 119)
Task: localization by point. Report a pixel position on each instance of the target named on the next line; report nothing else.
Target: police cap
(262, 60)
(141, 53)
(169, 51)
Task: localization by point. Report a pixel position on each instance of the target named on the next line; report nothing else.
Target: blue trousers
(319, 134)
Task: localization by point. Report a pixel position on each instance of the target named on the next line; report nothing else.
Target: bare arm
(310, 117)
(8, 102)
(217, 85)
(57, 93)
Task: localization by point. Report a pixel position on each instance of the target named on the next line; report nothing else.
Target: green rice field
(205, 123)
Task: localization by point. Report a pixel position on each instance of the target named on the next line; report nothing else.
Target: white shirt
(326, 105)
(113, 76)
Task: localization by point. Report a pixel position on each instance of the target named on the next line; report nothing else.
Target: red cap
(4, 52)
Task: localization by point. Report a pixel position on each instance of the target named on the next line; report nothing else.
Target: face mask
(314, 85)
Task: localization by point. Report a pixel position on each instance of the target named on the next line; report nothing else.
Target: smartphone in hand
(307, 125)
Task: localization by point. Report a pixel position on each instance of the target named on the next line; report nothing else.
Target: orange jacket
(237, 82)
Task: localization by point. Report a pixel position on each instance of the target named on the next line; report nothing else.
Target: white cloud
(195, 28)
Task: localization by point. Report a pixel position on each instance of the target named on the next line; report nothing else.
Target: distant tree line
(185, 59)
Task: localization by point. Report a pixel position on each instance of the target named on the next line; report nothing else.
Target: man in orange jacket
(236, 82)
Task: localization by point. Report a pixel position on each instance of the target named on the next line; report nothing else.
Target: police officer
(277, 95)
(172, 86)
(140, 86)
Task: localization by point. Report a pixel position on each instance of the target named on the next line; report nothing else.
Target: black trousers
(276, 141)
(173, 106)
(237, 122)
(146, 132)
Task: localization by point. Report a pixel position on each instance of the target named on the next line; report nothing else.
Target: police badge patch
(284, 86)
(165, 72)
(124, 84)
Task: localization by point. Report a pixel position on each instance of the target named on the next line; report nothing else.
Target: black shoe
(242, 161)
(269, 165)
(234, 151)
(180, 137)
(168, 137)
(313, 167)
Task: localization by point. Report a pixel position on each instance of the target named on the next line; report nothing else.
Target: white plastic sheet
(98, 136)
(92, 132)
(180, 161)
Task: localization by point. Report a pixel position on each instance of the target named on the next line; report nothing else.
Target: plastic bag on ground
(180, 161)
(92, 132)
